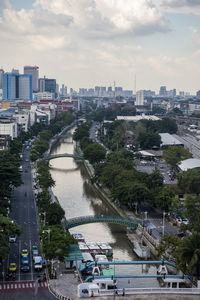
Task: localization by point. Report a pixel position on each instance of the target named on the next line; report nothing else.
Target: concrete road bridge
(128, 222)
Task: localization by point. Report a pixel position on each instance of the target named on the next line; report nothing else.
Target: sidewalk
(66, 283)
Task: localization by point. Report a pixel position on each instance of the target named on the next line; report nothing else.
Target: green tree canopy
(7, 228)
(55, 242)
(148, 140)
(174, 154)
(189, 181)
(94, 153)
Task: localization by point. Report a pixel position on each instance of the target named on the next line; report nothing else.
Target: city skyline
(90, 42)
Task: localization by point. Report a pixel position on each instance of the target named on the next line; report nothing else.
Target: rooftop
(189, 164)
(169, 140)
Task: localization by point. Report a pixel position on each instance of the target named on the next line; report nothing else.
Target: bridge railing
(103, 218)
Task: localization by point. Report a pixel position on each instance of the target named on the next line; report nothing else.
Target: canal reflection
(78, 197)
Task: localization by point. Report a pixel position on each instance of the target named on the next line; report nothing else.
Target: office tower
(102, 91)
(139, 98)
(118, 91)
(181, 93)
(1, 77)
(34, 71)
(25, 84)
(63, 90)
(17, 86)
(97, 91)
(163, 91)
(47, 85)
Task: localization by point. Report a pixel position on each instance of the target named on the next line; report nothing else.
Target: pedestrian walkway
(11, 286)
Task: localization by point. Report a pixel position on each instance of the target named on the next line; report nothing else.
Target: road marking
(15, 286)
(11, 286)
(23, 285)
(31, 285)
(31, 262)
(1, 287)
(19, 285)
(27, 285)
(19, 257)
(41, 284)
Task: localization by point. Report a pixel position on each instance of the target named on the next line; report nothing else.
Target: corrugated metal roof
(189, 164)
(169, 140)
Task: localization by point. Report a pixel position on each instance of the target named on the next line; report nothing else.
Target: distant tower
(114, 89)
(139, 98)
(135, 84)
(34, 71)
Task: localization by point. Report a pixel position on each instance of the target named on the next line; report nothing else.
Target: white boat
(93, 247)
(83, 247)
(105, 248)
(141, 251)
(79, 237)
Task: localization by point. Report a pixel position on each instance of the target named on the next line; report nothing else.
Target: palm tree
(190, 254)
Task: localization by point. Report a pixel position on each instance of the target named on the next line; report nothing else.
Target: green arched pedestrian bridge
(74, 155)
(128, 222)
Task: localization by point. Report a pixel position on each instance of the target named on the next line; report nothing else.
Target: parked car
(185, 221)
(12, 238)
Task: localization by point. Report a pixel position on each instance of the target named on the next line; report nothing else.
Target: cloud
(179, 6)
(110, 18)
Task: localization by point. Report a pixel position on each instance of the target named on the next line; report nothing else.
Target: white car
(185, 221)
(12, 238)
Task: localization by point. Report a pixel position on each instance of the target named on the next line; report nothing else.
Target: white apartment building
(43, 96)
(139, 98)
(8, 128)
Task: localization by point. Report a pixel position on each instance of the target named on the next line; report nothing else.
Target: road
(24, 213)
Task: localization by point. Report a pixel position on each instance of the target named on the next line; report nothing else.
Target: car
(12, 238)
(25, 171)
(24, 252)
(25, 260)
(25, 267)
(12, 267)
(185, 221)
(27, 160)
(34, 248)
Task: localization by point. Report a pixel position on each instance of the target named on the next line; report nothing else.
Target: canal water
(78, 198)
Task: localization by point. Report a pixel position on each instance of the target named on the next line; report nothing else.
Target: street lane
(24, 214)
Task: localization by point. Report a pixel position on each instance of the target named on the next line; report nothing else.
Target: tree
(174, 154)
(165, 198)
(54, 214)
(190, 254)
(81, 132)
(189, 181)
(94, 153)
(129, 193)
(167, 125)
(56, 242)
(192, 211)
(169, 245)
(148, 140)
(7, 228)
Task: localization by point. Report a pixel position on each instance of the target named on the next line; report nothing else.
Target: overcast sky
(83, 43)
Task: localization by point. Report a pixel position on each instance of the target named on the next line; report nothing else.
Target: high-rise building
(17, 86)
(1, 77)
(163, 91)
(139, 98)
(34, 71)
(97, 91)
(47, 85)
(198, 95)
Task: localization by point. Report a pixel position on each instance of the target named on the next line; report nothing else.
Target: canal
(78, 198)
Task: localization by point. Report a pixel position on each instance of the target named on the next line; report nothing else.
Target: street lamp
(163, 226)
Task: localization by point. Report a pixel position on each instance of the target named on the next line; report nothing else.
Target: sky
(83, 43)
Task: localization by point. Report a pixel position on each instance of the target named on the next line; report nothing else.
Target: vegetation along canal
(78, 198)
